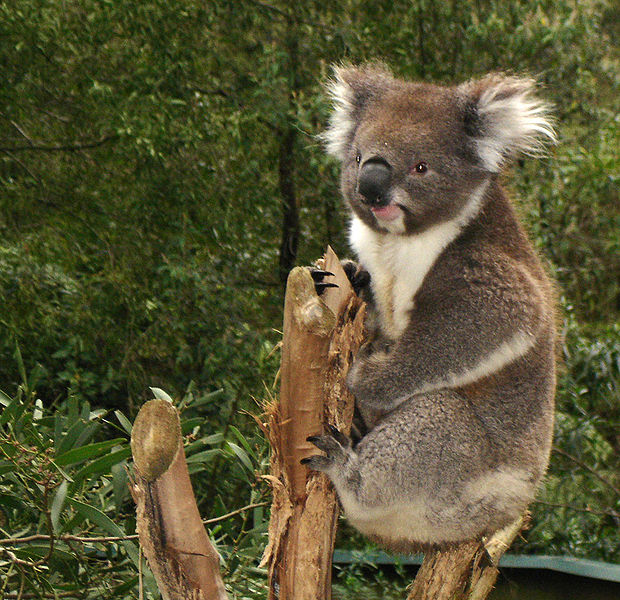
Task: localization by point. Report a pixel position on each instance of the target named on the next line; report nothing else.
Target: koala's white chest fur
(399, 263)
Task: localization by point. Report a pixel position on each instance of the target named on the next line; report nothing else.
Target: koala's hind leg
(429, 472)
(360, 486)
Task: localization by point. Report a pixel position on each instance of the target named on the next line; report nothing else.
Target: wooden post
(172, 536)
(321, 336)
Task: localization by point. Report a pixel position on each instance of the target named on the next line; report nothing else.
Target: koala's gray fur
(456, 389)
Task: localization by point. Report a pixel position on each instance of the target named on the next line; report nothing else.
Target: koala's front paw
(336, 446)
(359, 277)
(317, 276)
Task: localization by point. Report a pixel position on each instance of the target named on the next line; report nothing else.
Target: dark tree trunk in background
(290, 210)
(286, 160)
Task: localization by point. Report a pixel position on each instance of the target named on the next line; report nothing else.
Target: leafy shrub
(66, 519)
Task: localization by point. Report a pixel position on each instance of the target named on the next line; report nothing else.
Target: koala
(456, 385)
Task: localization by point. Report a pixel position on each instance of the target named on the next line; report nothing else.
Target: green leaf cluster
(67, 525)
(60, 489)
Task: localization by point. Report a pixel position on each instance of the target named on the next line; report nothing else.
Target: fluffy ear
(350, 91)
(504, 117)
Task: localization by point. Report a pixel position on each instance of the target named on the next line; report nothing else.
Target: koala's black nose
(374, 181)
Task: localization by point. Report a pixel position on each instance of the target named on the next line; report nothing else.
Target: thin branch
(585, 509)
(274, 9)
(41, 537)
(94, 540)
(17, 561)
(62, 147)
(48, 518)
(233, 513)
(19, 595)
(23, 166)
(21, 131)
(49, 113)
(587, 468)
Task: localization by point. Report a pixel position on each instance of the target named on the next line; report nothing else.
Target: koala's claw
(317, 275)
(335, 445)
(320, 286)
(358, 277)
(340, 437)
(325, 442)
(317, 463)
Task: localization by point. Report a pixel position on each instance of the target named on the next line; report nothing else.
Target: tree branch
(585, 509)
(587, 468)
(75, 147)
(23, 166)
(40, 537)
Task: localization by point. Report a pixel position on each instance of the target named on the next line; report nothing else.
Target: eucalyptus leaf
(58, 503)
(242, 455)
(161, 395)
(82, 453)
(124, 421)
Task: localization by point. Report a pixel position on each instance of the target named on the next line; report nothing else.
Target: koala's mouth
(387, 213)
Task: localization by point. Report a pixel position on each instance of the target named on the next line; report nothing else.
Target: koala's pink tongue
(387, 213)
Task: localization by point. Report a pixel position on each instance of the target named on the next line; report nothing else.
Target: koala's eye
(358, 158)
(420, 167)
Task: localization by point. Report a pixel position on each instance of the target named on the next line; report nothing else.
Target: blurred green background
(160, 173)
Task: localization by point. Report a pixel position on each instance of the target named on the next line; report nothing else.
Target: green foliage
(161, 218)
(140, 168)
(365, 580)
(67, 524)
(58, 485)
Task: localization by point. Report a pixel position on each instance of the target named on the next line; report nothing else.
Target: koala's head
(414, 154)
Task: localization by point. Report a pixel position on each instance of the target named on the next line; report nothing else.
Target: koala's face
(408, 165)
(414, 155)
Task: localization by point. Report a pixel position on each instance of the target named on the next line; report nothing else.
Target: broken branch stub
(466, 571)
(172, 536)
(321, 335)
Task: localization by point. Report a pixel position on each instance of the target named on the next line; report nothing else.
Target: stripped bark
(321, 336)
(172, 536)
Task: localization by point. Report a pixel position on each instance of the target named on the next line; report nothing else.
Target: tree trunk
(321, 336)
(172, 536)
(290, 210)
(466, 571)
(286, 158)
